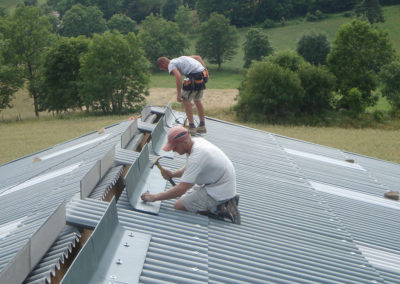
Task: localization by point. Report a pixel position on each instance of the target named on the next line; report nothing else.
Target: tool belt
(196, 81)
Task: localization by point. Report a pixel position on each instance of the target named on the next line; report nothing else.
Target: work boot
(233, 212)
(201, 129)
(192, 130)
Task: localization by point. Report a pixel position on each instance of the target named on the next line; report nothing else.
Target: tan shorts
(197, 199)
(192, 95)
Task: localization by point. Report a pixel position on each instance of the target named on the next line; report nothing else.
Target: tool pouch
(205, 75)
(199, 83)
(187, 84)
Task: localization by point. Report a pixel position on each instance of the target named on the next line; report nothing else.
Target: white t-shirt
(208, 165)
(186, 65)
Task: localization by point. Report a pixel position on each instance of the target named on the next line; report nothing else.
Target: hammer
(157, 163)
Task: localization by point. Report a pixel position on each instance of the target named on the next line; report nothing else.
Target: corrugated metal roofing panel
(290, 232)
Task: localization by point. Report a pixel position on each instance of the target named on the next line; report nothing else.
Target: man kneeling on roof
(208, 179)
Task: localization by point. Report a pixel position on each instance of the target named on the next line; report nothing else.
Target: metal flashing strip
(380, 258)
(96, 173)
(355, 195)
(31, 253)
(129, 133)
(324, 159)
(69, 149)
(169, 117)
(158, 138)
(111, 254)
(140, 179)
(145, 126)
(145, 112)
(40, 179)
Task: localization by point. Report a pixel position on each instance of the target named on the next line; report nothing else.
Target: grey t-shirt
(186, 65)
(208, 165)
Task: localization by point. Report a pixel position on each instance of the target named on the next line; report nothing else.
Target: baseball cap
(175, 135)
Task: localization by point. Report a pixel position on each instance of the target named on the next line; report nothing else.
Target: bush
(353, 102)
(269, 24)
(318, 86)
(287, 59)
(390, 78)
(269, 90)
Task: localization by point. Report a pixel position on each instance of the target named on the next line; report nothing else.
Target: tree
(60, 74)
(358, 53)
(186, 20)
(114, 73)
(314, 48)
(390, 78)
(161, 38)
(371, 10)
(256, 46)
(81, 20)
(10, 75)
(108, 7)
(169, 8)
(28, 33)
(269, 90)
(138, 10)
(218, 40)
(123, 24)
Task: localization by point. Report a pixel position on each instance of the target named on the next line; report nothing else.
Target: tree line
(91, 56)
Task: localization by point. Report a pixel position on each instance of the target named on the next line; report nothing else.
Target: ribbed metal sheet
(55, 256)
(290, 231)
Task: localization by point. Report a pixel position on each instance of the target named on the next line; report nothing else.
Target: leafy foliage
(218, 40)
(114, 73)
(318, 85)
(161, 38)
(123, 24)
(186, 19)
(370, 10)
(314, 48)
(269, 90)
(358, 53)
(256, 46)
(287, 59)
(28, 34)
(10, 75)
(390, 78)
(138, 10)
(168, 9)
(60, 74)
(81, 20)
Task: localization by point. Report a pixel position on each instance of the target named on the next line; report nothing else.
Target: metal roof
(308, 215)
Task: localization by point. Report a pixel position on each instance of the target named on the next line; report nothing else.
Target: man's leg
(200, 110)
(189, 110)
(179, 205)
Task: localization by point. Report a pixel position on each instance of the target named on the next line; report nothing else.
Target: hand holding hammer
(164, 172)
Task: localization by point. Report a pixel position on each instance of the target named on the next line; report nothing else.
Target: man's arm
(176, 191)
(167, 174)
(198, 58)
(178, 80)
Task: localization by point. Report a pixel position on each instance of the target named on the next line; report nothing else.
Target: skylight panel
(7, 228)
(355, 195)
(39, 179)
(69, 149)
(324, 159)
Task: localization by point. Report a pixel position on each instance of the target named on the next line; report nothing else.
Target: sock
(191, 125)
(202, 123)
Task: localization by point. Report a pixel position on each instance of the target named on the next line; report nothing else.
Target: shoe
(229, 210)
(192, 130)
(201, 129)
